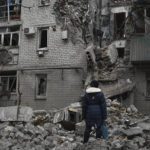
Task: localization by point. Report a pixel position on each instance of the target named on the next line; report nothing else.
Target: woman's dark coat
(94, 107)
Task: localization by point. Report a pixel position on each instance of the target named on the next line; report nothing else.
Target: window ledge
(42, 49)
(44, 5)
(40, 97)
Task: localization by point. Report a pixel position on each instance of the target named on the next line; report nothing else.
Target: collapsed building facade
(125, 25)
(45, 42)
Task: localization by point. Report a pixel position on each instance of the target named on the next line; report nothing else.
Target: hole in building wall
(119, 24)
(120, 52)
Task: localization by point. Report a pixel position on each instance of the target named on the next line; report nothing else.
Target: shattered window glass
(41, 85)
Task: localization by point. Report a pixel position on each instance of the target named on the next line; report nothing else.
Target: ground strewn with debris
(128, 130)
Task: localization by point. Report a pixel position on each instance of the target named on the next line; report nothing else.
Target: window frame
(147, 79)
(11, 37)
(41, 97)
(8, 80)
(39, 39)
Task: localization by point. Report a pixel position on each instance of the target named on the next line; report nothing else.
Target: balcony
(10, 10)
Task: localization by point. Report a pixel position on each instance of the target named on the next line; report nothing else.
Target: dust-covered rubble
(127, 128)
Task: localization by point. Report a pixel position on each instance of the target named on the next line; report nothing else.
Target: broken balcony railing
(10, 10)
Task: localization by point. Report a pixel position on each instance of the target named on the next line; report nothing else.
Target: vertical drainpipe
(8, 2)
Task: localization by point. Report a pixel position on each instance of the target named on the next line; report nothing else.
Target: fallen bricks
(128, 129)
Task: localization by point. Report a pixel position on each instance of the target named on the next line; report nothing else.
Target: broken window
(43, 38)
(8, 81)
(120, 52)
(15, 39)
(10, 10)
(119, 24)
(41, 85)
(9, 36)
(139, 20)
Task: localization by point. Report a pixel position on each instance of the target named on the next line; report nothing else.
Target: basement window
(9, 36)
(41, 86)
(120, 52)
(8, 81)
(43, 33)
(119, 24)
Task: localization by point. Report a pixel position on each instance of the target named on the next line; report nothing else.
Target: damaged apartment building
(125, 39)
(39, 66)
(52, 49)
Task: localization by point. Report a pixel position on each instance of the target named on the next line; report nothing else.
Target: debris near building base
(127, 128)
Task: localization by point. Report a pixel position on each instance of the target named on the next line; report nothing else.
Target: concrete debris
(10, 113)
(133, 131)
(46, 131)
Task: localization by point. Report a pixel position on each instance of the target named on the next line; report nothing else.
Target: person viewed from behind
(93, 110)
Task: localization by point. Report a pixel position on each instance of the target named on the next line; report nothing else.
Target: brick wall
(61, 91)
(59, 53)
(63, 87)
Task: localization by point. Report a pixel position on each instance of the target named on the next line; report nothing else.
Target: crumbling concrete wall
(141, 97)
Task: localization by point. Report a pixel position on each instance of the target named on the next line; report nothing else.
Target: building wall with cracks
(50, 72)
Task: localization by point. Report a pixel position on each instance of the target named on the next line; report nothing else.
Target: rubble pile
(128, 129)
(73, 16)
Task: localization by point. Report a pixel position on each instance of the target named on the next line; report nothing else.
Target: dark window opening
(41, 85)
(43, 38)
(119, 24)
(8, 82)
(9, 36)
(148, 12)
(139, 20)
(15, 39)
(120, 52)
(7, 40)
(0, 39)
(148, 85)
(14, 28)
